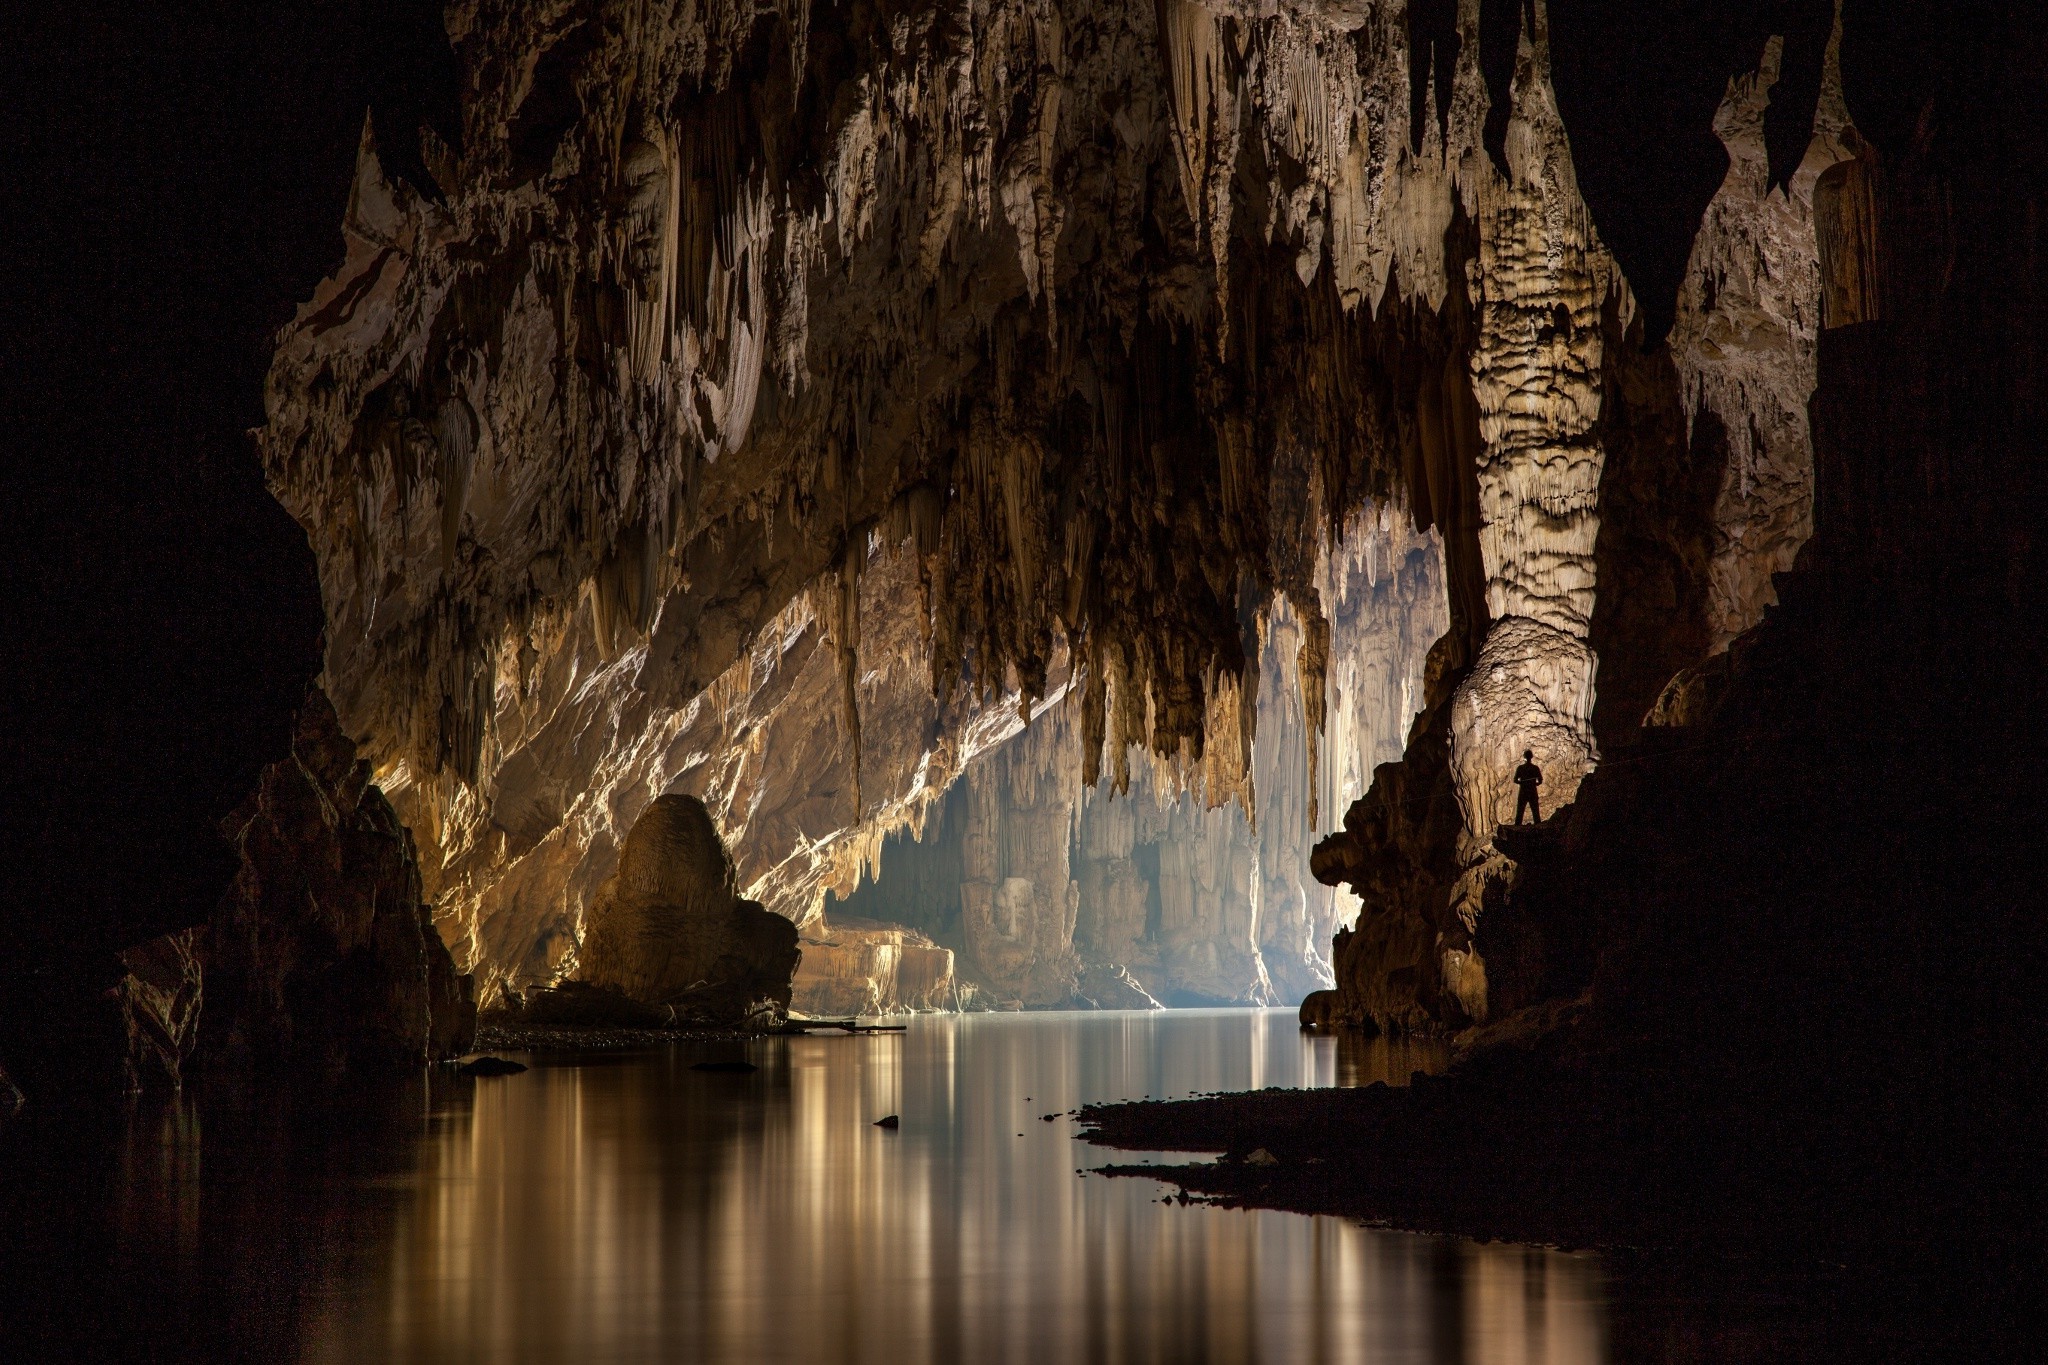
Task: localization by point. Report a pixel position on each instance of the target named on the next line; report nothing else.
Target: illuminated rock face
(1052, 894)
(1419, 850)
(775, 407)
(668, 930)
(1746, 340)
(858, 968)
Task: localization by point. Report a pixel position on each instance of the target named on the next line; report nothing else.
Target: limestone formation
(668, 931)
(162, 994)
(708, 312)
(781, 407)
(858, 968)
(1749, 321)
(1560, 375)
(322, 954)
(1180, 894)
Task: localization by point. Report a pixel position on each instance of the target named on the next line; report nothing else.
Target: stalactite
(922, 369)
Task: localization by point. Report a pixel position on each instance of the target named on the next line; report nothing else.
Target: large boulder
(668, 930)
(323, 954)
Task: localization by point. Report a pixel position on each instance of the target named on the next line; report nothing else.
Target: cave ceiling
(784, 405)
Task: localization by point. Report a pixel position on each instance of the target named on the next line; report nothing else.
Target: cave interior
(1088, 505)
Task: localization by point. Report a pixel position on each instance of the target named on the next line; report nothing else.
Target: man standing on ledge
(1528, 778)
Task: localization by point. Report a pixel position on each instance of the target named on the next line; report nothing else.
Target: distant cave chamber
(1026, 889)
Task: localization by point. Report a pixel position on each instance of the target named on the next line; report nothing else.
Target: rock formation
(668, 931)
(855, 967)
(161, 998)
(575, 426)
(323, 954)
(1749, 320)
(780, 408)
(1687, 571)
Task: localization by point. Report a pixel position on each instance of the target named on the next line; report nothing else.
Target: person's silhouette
(1528, 778)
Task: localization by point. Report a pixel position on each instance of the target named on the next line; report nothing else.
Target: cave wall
(1746, 339)
(777, 406)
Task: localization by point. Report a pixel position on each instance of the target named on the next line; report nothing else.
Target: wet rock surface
(491, 1066)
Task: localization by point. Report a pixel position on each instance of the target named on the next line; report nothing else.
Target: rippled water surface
(630, 1208)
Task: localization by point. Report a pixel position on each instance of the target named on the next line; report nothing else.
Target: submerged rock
(669, 931)
(323, 954)
(491, 1066)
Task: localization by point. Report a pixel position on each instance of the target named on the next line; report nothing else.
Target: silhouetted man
(1528, 778)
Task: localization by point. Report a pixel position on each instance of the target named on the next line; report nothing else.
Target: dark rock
(891, 1122)
(1399, 851)
(160, 1001)
(322, 953)
(580, 1005)
(667, 930)
(491, 1066)
(1319, 1010)
(64, 1031)
(11, 1098)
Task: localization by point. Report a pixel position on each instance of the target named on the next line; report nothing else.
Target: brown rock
(1319, 1010)
(668, 929)
(322, 953)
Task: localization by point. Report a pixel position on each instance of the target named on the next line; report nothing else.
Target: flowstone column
(1539, 280)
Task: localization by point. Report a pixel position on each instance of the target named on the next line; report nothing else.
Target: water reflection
(639, 1210)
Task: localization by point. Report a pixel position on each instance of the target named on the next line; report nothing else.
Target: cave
(747, 580)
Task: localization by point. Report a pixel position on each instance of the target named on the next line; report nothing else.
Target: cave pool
(625, 1207)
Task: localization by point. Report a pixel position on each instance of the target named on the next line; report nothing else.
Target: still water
(630, 1208)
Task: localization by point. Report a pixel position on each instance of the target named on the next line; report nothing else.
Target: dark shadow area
(196, 1229)
(174, 180)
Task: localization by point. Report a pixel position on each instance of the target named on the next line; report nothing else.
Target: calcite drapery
(1180, 895)
(1748, 329)
(1549, 306)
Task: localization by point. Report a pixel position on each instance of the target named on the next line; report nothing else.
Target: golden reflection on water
(635, 1209)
